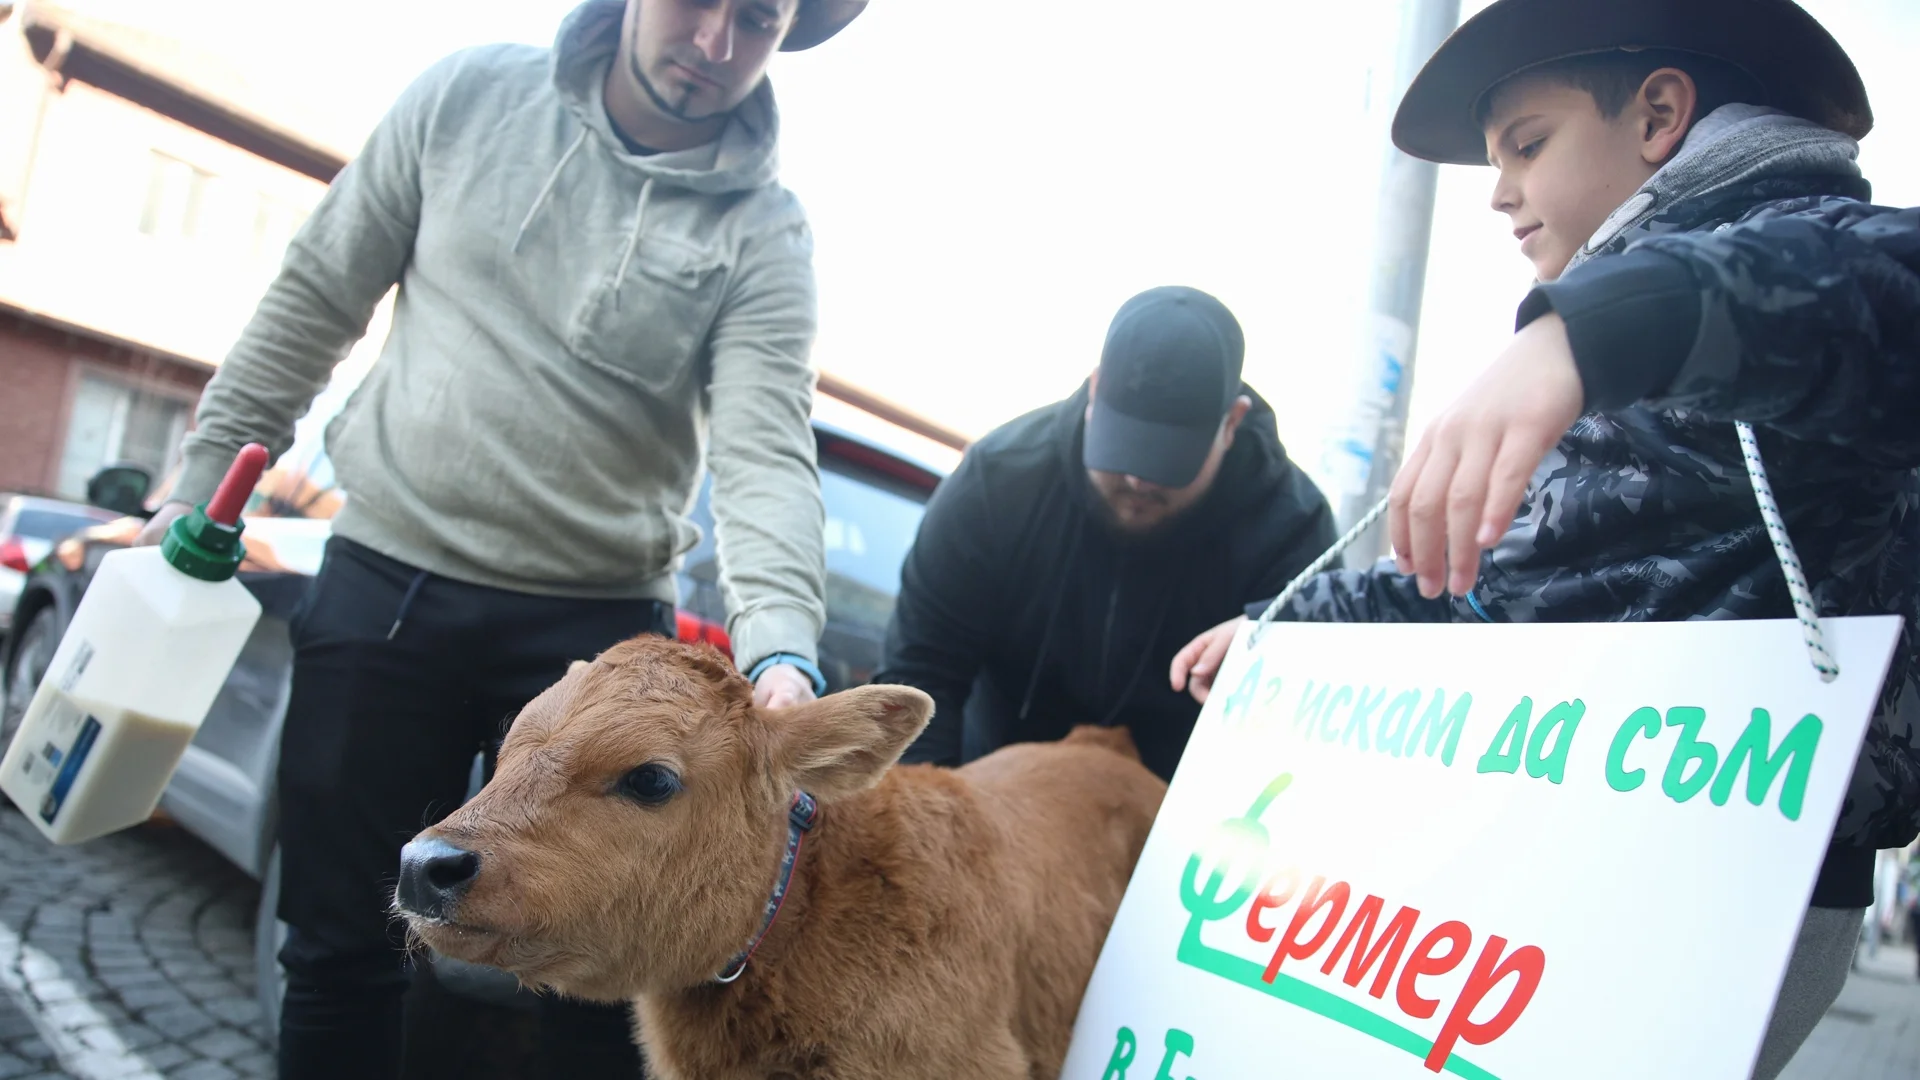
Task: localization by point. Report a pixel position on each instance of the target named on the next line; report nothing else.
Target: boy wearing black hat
(1075, 548)
(1681, 175)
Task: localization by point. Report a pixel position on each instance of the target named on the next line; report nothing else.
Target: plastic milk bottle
(153, 640)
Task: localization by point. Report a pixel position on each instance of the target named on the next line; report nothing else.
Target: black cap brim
(1163, 454)
(819, 20)
(1802, 68)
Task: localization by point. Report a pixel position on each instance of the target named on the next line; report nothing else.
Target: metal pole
(1367, 453)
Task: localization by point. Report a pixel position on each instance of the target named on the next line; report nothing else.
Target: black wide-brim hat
(818, 20)
(1801, 67)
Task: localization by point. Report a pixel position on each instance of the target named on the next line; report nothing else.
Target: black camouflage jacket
(1779, 297)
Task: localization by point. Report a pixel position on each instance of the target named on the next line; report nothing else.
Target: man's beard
(677, 112)
(1129, 534)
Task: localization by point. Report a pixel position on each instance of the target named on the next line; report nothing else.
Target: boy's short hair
(1612, 78)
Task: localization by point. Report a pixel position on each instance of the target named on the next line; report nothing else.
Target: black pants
(399, 678)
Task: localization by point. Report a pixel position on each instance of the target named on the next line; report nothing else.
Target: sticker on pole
(1490, 852)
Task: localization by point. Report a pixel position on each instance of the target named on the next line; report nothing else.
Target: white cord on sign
(1326, 559)
(1797, 588)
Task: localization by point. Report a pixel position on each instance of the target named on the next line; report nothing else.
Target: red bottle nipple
(240, 481)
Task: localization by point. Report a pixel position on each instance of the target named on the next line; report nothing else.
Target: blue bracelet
(805, 666)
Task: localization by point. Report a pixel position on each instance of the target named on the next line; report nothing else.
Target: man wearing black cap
(1076, 548)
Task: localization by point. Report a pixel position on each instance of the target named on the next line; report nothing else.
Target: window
(114, 422)
(224, 217)
(176, 194)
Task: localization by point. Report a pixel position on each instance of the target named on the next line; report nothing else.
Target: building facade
(142, 217)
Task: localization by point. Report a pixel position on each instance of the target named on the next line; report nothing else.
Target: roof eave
(59, 49)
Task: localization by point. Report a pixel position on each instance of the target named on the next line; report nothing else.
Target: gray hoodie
(576, 329)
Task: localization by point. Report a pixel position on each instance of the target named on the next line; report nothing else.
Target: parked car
(225, 790)
(29, 527)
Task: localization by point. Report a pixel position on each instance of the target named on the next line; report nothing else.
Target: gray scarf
(1731, 145)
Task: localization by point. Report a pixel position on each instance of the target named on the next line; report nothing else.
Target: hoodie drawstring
(406, 602)
(1146, 658)
(546, 189)
(1067, 553)
(633, 239)
(1161, 607)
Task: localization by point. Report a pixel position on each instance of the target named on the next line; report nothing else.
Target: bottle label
(67, 736)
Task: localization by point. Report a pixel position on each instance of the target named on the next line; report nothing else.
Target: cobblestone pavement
(126, 958)
(1873, 1031)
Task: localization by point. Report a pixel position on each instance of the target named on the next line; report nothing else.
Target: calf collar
(801, 818)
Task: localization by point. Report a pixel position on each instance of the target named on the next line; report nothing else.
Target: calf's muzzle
(434, 875)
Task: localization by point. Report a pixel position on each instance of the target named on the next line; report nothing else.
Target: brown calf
(937, 922)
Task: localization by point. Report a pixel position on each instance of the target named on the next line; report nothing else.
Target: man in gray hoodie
(602, 286)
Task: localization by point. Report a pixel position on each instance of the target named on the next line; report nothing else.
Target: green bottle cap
(198, 546)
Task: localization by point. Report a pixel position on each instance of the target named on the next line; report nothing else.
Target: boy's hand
(1195, 666)
(1460, 488)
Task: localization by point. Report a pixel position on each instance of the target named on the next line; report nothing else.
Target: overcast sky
(989, 181)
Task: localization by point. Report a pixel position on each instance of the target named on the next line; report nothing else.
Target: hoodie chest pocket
(647, 322)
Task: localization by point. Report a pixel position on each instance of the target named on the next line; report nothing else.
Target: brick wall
(38, 367)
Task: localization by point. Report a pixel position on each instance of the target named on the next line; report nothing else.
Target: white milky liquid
(133, 677)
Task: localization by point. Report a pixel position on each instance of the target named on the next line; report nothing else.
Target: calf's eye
(650, 785)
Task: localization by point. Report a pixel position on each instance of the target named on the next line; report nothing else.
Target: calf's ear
(843, 743)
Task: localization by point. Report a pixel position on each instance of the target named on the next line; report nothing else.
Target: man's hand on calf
(782, 686)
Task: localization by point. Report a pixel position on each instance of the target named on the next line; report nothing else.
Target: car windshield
(41, 524)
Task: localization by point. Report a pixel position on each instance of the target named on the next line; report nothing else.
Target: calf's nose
(434, 875)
